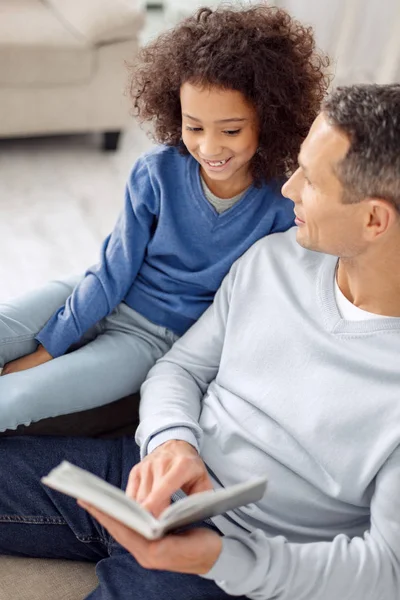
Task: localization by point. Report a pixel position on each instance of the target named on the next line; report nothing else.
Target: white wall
(361, 36)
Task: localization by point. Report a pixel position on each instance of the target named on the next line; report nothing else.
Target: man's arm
(362, 568)
(265, 568)
(169, 433)
(172, 394)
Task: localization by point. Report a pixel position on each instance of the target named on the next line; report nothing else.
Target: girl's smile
(216, 166)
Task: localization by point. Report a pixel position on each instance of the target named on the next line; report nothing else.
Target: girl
(231, 94)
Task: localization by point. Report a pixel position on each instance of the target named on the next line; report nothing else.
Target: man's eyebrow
(231, 120)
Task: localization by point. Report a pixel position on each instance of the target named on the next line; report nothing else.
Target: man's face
(220, 130)
(325, 223)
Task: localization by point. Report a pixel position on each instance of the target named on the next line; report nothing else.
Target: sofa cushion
(101, 21)
(38, 47)
(42, 579)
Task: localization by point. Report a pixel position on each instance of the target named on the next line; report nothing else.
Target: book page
(203, 505)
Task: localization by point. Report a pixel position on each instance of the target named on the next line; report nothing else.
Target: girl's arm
(106, 284)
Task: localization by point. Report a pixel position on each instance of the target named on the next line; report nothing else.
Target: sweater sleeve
(105, 285)
(171, 396)
(366, 568)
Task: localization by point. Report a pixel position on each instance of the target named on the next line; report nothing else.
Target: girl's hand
(172, 466)
(39, 357)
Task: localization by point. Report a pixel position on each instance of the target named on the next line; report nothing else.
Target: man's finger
(7, 369)
(145, 485)
(200, 485)
(133, 482)
(159, 497)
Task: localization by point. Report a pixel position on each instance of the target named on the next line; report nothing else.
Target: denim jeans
(37, 521)
(110, 361)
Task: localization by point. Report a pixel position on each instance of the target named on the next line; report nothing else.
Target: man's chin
(301, 238)
(304, 241)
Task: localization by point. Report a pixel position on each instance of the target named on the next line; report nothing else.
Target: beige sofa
(62, 65)
(39, 579)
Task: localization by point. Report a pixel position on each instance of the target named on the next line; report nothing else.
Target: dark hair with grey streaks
(370, 116)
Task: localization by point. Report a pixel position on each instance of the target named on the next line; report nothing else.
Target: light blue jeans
(110, 361)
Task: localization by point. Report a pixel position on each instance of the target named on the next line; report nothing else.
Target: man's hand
(172, 466)
(194, 551)
(29, 361)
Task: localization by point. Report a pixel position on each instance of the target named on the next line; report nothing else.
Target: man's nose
(292, 188)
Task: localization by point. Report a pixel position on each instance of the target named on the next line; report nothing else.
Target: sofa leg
(110, 140)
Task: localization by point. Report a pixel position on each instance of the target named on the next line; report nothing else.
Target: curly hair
(259, 51)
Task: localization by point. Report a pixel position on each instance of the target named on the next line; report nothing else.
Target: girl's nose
(210, 148)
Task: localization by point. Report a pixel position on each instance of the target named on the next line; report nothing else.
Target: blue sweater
(169, 250)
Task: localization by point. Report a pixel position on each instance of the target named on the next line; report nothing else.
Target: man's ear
(380, 216)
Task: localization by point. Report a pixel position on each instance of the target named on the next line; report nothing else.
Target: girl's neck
(230, 188)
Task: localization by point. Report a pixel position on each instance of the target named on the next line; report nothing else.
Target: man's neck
(372, 283)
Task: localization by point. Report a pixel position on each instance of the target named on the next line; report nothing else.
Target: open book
(78, 483)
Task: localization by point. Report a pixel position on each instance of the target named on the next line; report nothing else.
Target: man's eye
(194, 129)
(232, 131)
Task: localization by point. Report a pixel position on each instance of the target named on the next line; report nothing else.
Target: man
(292, 372)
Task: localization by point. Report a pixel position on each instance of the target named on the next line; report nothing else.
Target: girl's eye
(194, 129)
(232, 131)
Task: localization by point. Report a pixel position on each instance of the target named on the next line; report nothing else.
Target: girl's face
(220, 130)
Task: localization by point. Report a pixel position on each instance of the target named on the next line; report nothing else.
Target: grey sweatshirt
(271, 380)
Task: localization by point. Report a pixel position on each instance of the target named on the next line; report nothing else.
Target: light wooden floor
(59, 197)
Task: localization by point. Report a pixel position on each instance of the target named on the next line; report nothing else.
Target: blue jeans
(110, 361)
(37, 521)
